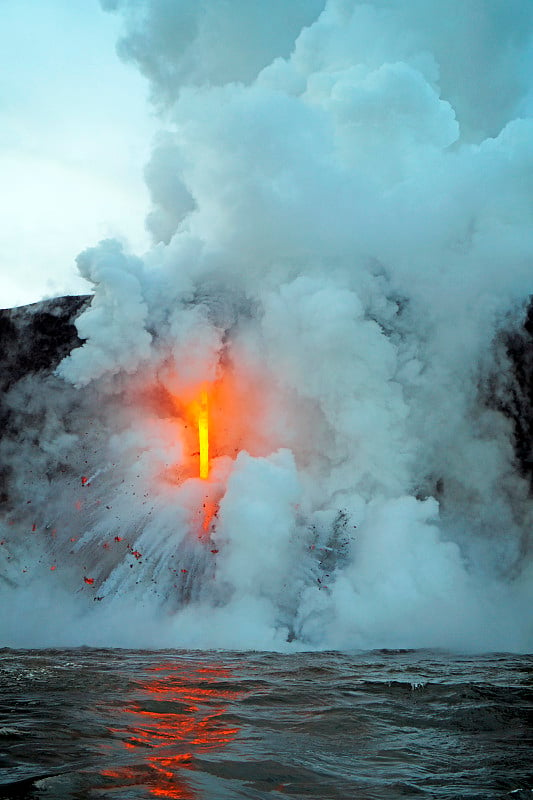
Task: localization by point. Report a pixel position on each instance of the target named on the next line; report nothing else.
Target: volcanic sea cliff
(87, 531)
(35, 338)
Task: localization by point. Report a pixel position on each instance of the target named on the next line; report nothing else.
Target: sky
(75, 133)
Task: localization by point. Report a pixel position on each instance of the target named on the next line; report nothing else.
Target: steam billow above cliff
(303, 419)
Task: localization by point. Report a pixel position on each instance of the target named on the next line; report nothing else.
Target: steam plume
(342, 231)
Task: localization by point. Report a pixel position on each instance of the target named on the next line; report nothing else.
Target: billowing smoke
(342, 238)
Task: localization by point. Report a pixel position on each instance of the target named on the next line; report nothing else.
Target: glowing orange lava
(213, 420)
(203, 435)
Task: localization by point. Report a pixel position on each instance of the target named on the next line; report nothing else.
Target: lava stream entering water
(203, 435)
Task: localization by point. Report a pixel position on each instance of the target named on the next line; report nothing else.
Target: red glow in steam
(235, 403)
(210, 510)
(236, 408)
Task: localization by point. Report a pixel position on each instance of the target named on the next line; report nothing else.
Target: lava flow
(199, 411)
(203, 435)
(210, 507)
(214, 422)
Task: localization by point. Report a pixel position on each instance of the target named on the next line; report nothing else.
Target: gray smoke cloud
(342, 226)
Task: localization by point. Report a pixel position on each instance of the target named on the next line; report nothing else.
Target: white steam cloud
(342, 224)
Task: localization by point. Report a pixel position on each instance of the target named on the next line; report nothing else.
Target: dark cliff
(33, 340)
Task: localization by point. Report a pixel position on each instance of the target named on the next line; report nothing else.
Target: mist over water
(341, 222)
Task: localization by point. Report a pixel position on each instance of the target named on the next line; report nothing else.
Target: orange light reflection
(175, 718)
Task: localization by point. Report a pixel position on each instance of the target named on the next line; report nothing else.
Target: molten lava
(203, 435)
(213, 421)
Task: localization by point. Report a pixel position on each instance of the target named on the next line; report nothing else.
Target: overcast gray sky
(75, 132)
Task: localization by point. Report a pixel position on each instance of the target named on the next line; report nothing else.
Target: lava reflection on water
(175, 717)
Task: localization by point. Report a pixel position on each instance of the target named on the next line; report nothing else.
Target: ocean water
(90, 723)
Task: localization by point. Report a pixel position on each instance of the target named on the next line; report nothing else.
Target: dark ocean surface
(90, 723)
